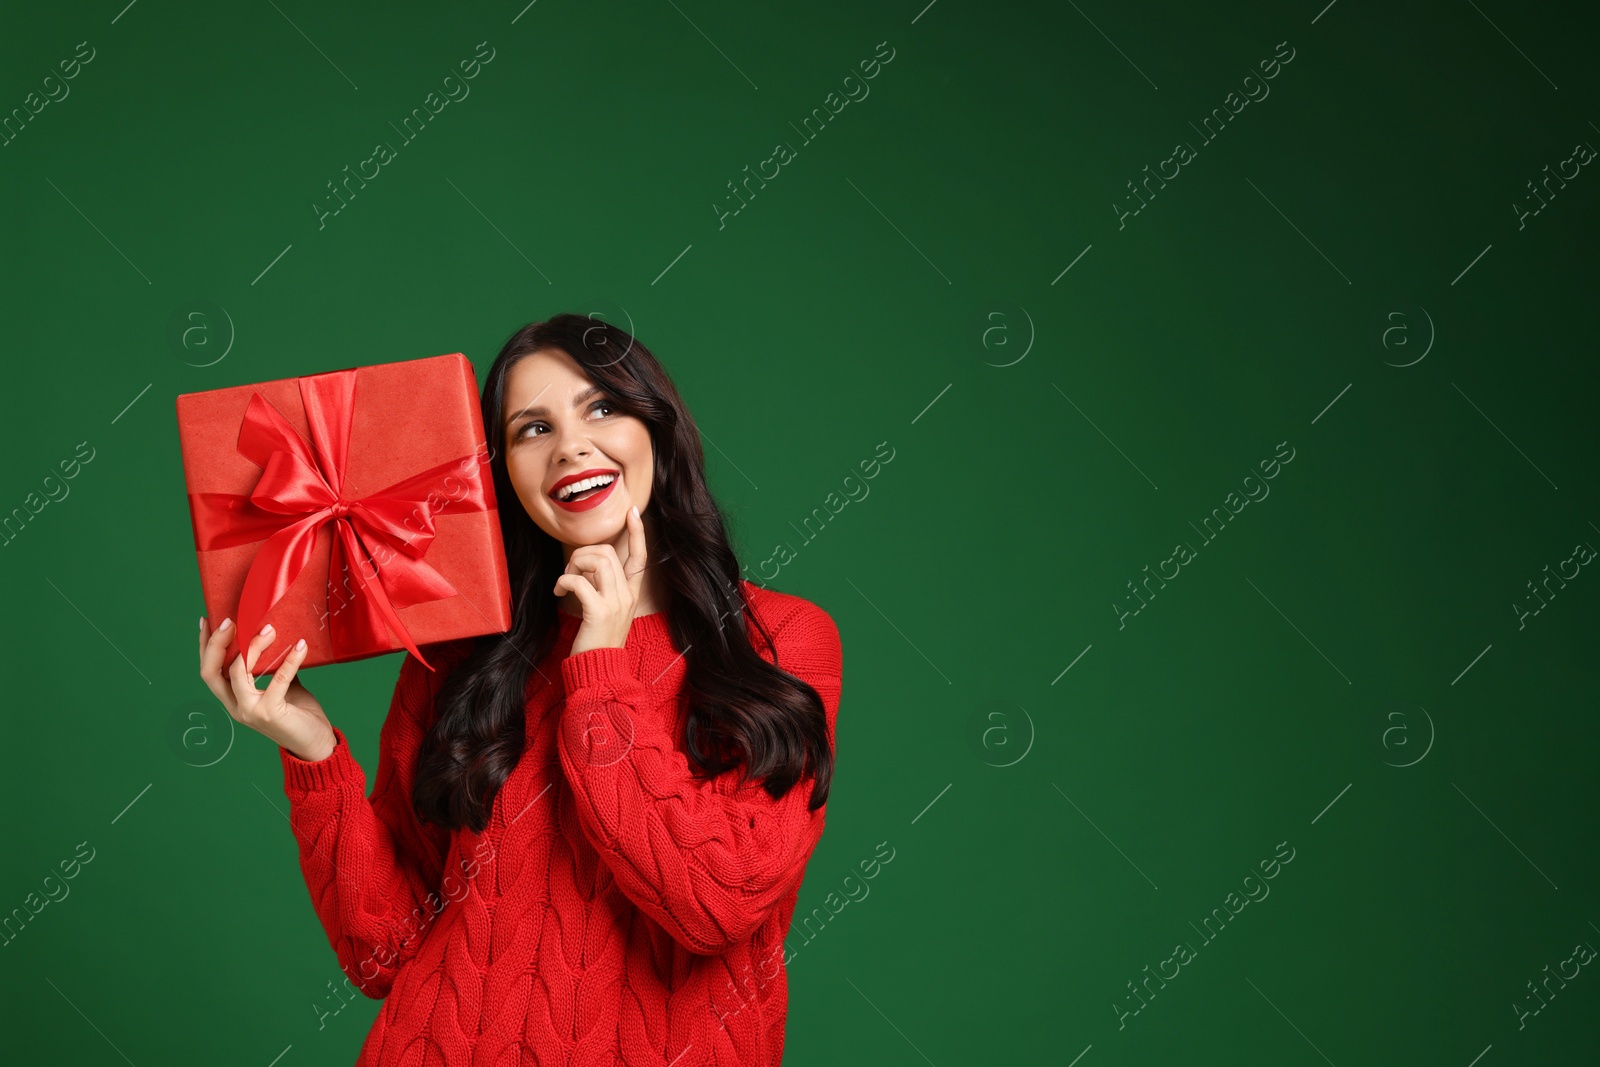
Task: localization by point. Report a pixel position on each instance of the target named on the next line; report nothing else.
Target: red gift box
(353, 508)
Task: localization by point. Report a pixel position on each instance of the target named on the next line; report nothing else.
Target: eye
(609, 407)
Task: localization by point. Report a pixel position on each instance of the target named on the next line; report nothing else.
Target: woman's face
(561, 429)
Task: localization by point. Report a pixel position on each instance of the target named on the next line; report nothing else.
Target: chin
(590, 529)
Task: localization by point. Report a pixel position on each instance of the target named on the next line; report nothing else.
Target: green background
(903, 280)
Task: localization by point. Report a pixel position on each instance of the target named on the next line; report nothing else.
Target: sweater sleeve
(707, 860)
(373, 869)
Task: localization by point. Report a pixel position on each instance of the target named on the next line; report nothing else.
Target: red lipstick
(595, 497)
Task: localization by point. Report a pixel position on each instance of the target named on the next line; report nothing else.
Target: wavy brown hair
(744, 711)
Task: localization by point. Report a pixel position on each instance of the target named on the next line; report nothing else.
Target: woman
(587, 835)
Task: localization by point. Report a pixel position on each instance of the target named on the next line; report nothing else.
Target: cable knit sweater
(615, 909)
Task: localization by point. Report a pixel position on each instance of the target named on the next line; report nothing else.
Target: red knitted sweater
(615, 910)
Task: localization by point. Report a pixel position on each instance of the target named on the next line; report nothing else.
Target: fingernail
(267, 629)
(225, 624)
(202, 622)
(300, 644)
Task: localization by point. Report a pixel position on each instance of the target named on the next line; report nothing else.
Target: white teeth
(566, 492)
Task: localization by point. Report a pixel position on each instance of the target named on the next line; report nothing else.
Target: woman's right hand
(284, 711)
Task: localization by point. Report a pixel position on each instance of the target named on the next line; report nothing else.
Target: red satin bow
(300, 489)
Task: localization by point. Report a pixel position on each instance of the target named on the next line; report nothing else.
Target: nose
(572, 444)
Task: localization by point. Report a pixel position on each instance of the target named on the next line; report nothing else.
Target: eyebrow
(577, 401)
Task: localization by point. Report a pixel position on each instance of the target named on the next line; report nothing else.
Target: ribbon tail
(370, 611)
(276, 566)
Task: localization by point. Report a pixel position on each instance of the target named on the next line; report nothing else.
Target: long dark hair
(744, 712)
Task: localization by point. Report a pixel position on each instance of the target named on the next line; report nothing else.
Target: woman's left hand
(608, 590)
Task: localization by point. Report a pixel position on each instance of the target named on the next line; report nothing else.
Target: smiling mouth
(592, 486)
(590, 491)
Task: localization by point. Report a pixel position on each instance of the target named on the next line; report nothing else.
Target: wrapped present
(353, 508)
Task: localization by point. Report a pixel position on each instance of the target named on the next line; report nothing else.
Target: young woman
(586, 835)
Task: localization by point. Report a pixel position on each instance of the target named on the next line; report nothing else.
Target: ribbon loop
(289, 487)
